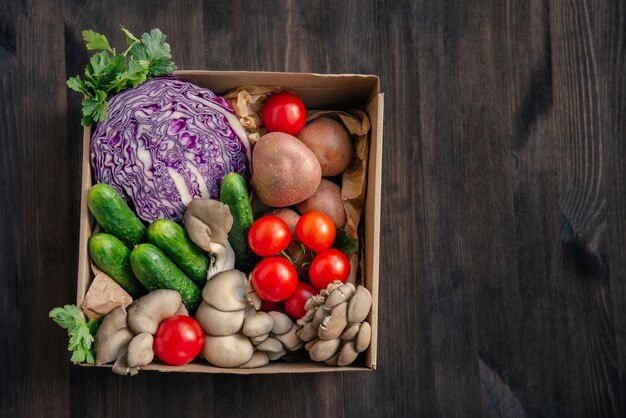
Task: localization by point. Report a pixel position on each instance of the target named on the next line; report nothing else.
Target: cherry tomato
(274, 279)
(178, 340)
(267, 306)
(268, 236)
(284, 112)
(328, 266)
(316, 231)
(294, 304)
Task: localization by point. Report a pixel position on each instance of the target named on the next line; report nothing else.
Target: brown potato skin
(326, 199)
(331, 144)
(289, 216)
(285, 171)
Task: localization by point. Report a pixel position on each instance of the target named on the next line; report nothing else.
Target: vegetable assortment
(172, 166)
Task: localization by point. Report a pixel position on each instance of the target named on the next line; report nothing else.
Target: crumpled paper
(103, 296)
(248, 103)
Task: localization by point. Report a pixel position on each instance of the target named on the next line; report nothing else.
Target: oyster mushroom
(226, 291)
(219, 323)
(258, 324)
(208, 222)
(229, 351)
(140, 352)
(334, 326)
(113, 336)
(147, 313)
(259, 359)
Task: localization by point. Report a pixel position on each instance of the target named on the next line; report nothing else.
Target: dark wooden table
(503, 261)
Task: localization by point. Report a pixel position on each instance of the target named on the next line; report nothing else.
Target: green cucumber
(173, 240)
(112, 257)
(234, 193)
(155, 271)
(114, 215)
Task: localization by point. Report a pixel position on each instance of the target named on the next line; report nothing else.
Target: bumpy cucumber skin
(155, 271)
(173, 240)
(113, 258)
(114, 215)
(234, 193)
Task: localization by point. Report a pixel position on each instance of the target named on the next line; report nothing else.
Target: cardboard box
(318, 91)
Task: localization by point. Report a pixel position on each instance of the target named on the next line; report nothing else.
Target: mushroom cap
(206, 221)
(364, 337)
(282, 323)
(259, 339)
(289, 339)
(140, 351)
(259, 359)
(333, 325)
(258, 324)
(360, 305)
(113, 336)
(228, 351)
(347, 354)
(147, 313)
(226, 291)
(339, 295)
(275, 356)
(271, 345)
(219, 323)
(324, 349)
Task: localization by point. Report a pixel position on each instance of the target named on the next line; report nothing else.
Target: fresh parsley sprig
(344, 242)
(108, 72)
(81, 333)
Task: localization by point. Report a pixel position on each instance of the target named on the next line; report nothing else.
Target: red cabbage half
(167, 142)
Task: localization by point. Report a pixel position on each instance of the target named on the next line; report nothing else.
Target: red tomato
(268, 236)
(178, 340)
(267, 306)
(284, 112)
(274, 279)
(328, 266)
(316, 231)
(294, 304)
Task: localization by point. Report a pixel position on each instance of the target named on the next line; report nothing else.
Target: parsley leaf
(96, 41)
(156, 51)
(130, 38)
(108, 73)
(81, 334)
(96, 107)
(344, 243)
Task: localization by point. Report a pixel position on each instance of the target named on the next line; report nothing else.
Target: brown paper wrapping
(248, 102)
(103, 296)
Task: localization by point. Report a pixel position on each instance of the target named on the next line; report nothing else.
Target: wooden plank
(577, 32)
(10, 314)
(42, 263)
(452, 331)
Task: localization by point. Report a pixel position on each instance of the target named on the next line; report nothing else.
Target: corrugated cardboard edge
(84, 271)
(307, 82)
(272, 368)
(375, 110)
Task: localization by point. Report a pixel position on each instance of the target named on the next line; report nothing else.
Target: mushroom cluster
(127, 337)
(334, 326)
(237, 335)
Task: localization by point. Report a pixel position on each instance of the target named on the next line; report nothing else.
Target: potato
(285, 171)
(326, 199)
(330, 142)
(289, 216)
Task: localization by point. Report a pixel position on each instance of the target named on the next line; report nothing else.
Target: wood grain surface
(503, 253)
